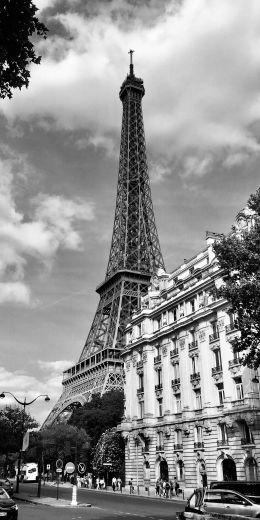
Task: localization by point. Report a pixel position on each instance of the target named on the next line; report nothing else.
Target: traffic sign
(58, 470)
(48, 466)
(59, 463)
(70, 467)
(81, 467)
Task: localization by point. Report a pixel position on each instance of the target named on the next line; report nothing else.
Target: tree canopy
(11, 428)
(238, 255)
(100, 414)
(110, 449)
(18, 23)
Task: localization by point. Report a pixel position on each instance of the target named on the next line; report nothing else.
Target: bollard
(74, 496)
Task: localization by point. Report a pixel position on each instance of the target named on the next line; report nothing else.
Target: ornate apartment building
(192, 410)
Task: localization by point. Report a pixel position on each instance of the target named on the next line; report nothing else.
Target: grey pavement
(51, 501)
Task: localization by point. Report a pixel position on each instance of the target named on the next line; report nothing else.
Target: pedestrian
(131, 486)
(119, 484)
(167, 489)
(157, 487)
(114, 483)
(171, 488)
(176, 486)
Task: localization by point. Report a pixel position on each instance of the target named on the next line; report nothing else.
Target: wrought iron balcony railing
(158, 387)
(232, 327)
(198, 445)
(140, 390)
(157, 359)
(214, 336)
(160, 447)
(193, 345)
(140, 364)
(195, 376)
(247, 441)
(174, 352)
(216, 370)
(178, 447)
(234, 362)
(176, 381)
(222, 442)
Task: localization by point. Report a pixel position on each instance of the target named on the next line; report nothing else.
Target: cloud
(51, 226)
(23, 385)
(200, 62)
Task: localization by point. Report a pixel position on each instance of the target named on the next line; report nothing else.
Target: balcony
(157, 359)
(234, 362)
(248, 441)
(193, 345)
(158, 387)
(140, 390)
(214, 337)
(178, 447)
(176, 381)
(222, 442)
(216, 370)
(232, 327)
(195, 377)
(139, 364)
(160, 447)
(174, 352)
(199, 445)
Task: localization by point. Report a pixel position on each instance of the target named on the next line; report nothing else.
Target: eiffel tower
(135, 255)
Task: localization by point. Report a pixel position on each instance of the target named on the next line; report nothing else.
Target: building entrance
(229, 469)
(164, 474)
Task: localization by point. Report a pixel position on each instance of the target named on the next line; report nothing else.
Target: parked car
(250, 488)
(230, 502)
(7, 485)
(8, 507)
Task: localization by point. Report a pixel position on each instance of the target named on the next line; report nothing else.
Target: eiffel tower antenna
(135, 255)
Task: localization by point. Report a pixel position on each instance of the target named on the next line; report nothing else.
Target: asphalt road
(107, 506)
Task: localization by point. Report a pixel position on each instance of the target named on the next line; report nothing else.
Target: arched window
(251, 469)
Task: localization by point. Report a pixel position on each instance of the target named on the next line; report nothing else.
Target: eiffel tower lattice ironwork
(135, 255)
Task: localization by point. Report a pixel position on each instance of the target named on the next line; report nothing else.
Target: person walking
(131, 486)
(157, 487)
(114, 483)
(119, 484)
(176, 486)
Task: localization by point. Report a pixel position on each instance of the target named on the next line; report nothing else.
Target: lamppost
(24, 404)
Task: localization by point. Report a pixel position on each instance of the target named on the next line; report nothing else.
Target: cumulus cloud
(200, 61)
(29, 386)
(51, 226)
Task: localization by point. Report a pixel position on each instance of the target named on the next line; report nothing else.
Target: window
(176, 371)
(141, 381)
(218, 361)
(178, 436)
(181, 310)
(141, 409)
(164, 319)
(172, 315)
(192, 305)
(160, 407)
(222, 433)
(178, 403)
(221, 393)
(156, 324)
(239, 389)
(138, 331)
(198, 401)
(201, 300)
(194, 364)
(198, 434)
(159, 376)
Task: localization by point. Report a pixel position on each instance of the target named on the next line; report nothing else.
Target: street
(104, 505)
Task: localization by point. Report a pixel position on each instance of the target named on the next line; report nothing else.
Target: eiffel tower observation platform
(135, 255)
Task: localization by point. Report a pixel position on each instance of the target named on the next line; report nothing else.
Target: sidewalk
(51, 501)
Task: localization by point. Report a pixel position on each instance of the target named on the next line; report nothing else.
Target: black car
(7, 485)
(8, 507)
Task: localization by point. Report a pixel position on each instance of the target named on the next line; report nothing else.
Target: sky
(59, 148)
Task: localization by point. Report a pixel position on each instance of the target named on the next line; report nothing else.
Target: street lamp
(24, 404)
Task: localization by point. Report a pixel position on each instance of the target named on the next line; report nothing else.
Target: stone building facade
(192, 410)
